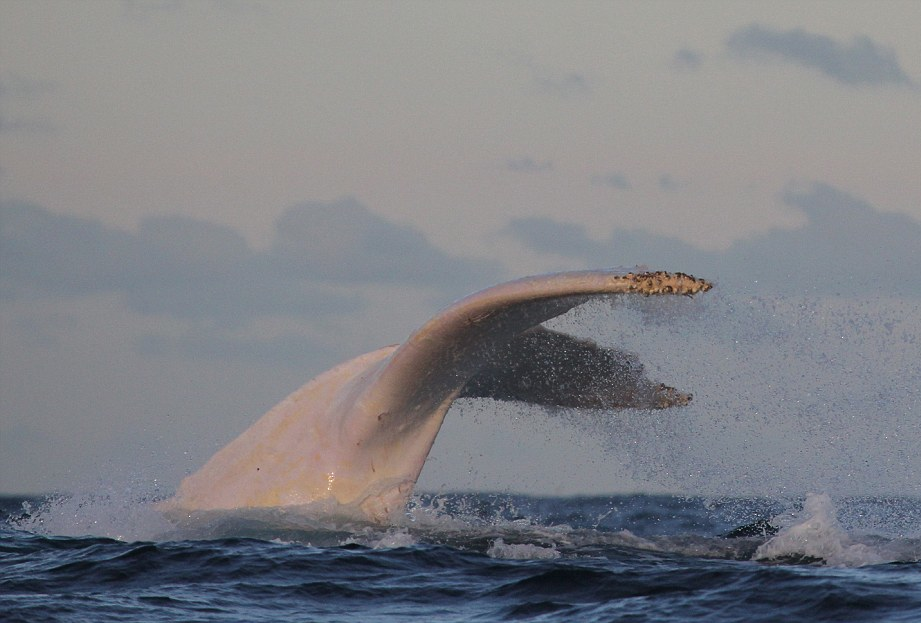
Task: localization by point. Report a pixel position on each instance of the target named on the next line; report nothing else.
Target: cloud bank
(859, 62)
(847, 246)
(198, 270)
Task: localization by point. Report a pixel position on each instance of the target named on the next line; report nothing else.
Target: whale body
(356, 437)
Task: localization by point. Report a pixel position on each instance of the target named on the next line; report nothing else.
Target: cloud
(846, 246)
(343, 242)
(860, 62)
(546, 235)
(563, 84)
(176, 266)
(669, 183)
(614, 180)
(288, 349)
(206, 272)
(623, 248)
(21, 92)
(17, 87)
(549, 81)
(235, 298)
(528, 165)
(26, 125)
(686, 59)
(47, 252)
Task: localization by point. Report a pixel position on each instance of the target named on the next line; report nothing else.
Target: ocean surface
(469, 557)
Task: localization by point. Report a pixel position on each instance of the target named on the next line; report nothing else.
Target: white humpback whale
(356, 437)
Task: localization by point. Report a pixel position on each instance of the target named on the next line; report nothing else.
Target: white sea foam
(393, 538)
(815, 533)
(520, 551)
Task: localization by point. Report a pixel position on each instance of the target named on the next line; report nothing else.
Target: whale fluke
(356, 437)
(545, 367)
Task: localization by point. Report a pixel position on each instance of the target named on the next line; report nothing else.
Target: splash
(391, 538)
(124, 512)
(521, 551)
(790, 395)
(815, 535)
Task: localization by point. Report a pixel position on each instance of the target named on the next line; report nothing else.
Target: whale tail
(358, 435)
(553, 369)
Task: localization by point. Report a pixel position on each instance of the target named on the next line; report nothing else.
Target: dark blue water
(472, 558)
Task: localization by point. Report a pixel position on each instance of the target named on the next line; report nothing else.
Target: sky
(204, 204)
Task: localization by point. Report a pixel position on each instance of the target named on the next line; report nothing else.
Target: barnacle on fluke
(662, 282)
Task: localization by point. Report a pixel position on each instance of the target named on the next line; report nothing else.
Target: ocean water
(469, 557)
